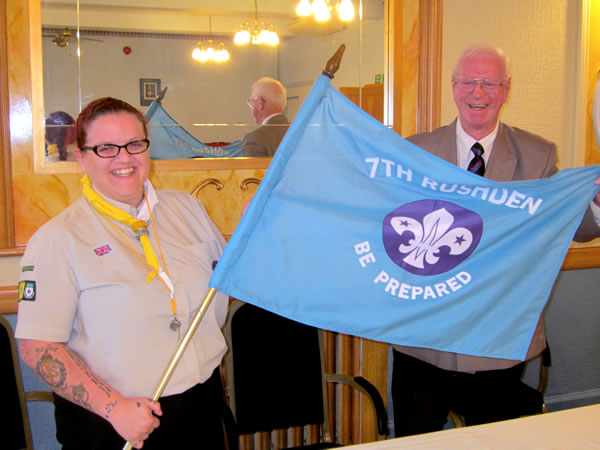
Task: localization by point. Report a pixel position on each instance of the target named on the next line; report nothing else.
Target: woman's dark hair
(60, 130)
(100, 107)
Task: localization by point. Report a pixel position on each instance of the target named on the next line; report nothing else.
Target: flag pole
(187, 337)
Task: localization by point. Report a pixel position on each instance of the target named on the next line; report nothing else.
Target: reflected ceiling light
(210, 52)
(262, 33)
(321, 9)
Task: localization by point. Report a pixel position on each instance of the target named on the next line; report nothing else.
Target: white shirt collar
(270, 117)
(142, 212)
(464, 142)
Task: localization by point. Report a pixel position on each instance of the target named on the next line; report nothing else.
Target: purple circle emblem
(429, 237)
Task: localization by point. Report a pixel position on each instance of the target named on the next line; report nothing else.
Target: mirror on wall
(134, 50)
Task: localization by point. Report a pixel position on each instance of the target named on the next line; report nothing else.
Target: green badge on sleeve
(27, 290)
(27, 269)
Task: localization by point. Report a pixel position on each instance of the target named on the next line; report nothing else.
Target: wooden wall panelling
(7, 237)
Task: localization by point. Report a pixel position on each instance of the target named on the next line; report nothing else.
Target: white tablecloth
(577, 428)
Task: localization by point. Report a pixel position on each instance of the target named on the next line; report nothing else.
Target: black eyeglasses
(112, 150)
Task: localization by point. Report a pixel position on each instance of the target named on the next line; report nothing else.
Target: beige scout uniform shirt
(90, 291)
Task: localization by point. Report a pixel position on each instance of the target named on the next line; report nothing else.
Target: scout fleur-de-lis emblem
(430, 237)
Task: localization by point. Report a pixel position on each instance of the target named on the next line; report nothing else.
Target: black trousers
(192, 419)
(423, 394)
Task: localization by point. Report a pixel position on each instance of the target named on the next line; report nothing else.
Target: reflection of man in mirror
(427, 384)
(268, 99)
(60, 133)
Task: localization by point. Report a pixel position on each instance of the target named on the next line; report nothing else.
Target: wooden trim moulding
(7, 232)
(582, 258)
(14, 251)
(8, 299)
(430, 66)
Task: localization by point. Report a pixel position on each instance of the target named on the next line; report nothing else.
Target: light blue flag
(356, 230)
(169, 140)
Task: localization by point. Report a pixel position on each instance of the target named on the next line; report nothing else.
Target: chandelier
(321, 9)
(210, 52)
(262, 33)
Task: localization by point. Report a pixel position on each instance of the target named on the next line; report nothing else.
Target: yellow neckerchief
(106, 209)
(53, 150)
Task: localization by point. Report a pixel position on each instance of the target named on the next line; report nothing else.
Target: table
(577, 428)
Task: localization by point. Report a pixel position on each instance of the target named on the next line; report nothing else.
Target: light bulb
(264, 36)
(272, 39)
(303, 8)
(199, 54)
(222, 54)
(321, 10)
(346, 10)
(242, 37)
(202, 56)
(210, 51)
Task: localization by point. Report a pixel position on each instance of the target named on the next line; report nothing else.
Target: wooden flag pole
(187, 337)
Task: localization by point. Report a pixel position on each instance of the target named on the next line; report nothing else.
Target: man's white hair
(483, 49)
(271, 90)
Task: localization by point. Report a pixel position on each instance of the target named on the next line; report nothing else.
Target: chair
(529, 400)
(275, 379)
(16, 432)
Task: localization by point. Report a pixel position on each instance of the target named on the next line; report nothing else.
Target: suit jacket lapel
(447, 144)
(503, 162)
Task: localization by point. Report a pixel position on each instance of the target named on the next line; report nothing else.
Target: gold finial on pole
(334, 62)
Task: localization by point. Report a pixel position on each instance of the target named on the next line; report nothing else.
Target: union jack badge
(103, 250)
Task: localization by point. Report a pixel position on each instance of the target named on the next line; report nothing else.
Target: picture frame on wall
(149, 90)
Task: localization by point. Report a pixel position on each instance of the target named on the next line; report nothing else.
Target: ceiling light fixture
(321, 9)
(210, 52)
(261, 34)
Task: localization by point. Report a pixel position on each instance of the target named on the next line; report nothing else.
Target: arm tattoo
(88, 373)
(81, 396)
(108, 408)
(51, 371)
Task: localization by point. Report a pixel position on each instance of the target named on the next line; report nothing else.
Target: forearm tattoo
(81, 396)
(53, 372)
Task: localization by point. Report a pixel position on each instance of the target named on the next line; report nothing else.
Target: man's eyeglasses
(488, 86)
(112, 150)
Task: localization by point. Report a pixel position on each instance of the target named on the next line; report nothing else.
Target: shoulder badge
(27, 290)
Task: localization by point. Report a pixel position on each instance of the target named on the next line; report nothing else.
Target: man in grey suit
(426, 384)
(268, 99)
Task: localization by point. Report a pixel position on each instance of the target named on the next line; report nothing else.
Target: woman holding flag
(107, 289)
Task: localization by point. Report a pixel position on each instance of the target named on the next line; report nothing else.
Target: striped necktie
(477, 164)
